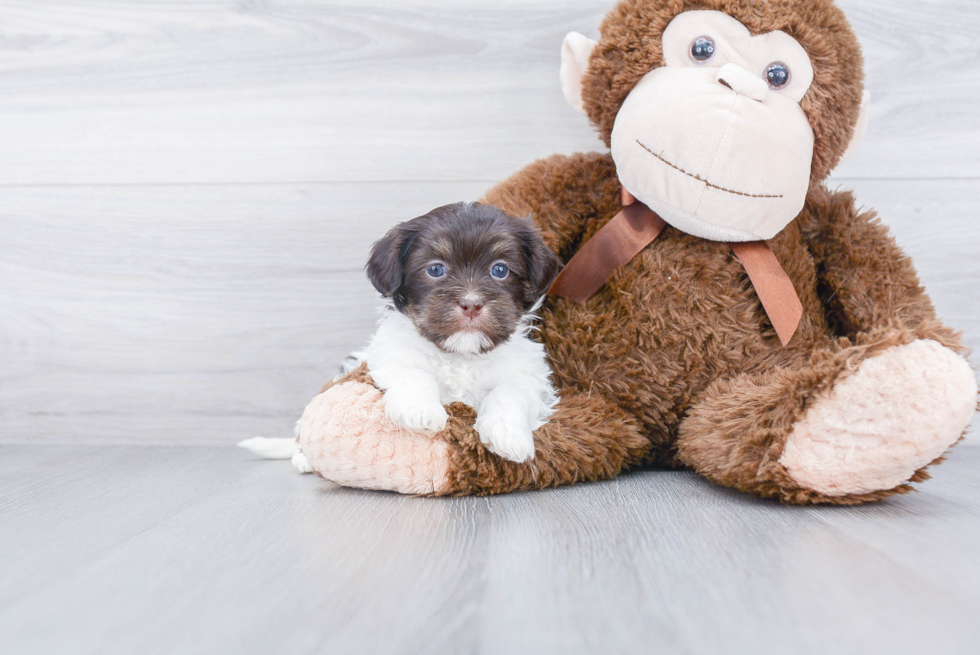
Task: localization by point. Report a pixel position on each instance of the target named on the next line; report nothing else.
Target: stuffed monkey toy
(720, 309)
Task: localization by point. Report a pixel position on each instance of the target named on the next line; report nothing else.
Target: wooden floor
(129, 549)
(188, 190)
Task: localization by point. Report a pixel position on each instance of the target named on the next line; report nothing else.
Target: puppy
(463, 280)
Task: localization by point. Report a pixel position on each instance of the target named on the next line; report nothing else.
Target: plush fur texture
(674, 363)
(709, 145)
(837, 447)
(353, 439)
(583, 442)
(630, 47)
(678, 353)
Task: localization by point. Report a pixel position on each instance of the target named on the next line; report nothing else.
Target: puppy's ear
(542, 264)
(386, 265)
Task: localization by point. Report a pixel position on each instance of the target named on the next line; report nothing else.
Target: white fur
(467, 343)
(279, 448)
(301, 463)
(271, 448)
(509, 386)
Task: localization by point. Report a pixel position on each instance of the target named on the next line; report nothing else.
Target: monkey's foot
(897, 413)
(348, 439)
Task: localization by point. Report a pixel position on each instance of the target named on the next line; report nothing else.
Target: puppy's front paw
(415, 412)
(509, 436)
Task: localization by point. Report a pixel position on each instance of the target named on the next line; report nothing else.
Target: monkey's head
(721, 113)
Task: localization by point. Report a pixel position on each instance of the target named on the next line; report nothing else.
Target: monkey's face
(714, 138)
(715, 141)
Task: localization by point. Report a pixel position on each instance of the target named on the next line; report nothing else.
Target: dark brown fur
(630, 48)
(467, 239)
(674, 361)
(679, 340)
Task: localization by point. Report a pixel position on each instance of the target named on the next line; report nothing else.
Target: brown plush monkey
(724, 118)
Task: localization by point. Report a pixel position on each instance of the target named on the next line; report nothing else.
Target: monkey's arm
(866, 281)
(567, 197)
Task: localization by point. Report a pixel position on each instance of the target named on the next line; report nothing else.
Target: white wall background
(188, 189)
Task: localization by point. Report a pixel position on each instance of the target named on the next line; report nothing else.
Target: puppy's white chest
(458, 381)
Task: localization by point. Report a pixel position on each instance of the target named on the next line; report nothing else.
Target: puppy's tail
(271, 448)
(278, 449)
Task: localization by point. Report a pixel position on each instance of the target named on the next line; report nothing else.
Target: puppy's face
(465, 274)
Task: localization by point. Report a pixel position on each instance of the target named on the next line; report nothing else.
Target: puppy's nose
(471, 306)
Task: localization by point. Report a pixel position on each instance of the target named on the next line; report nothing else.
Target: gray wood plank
(124, 92)
(211, 313)
(198, 549)
(182, 314)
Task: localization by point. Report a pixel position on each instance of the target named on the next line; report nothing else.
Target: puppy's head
(465, 274)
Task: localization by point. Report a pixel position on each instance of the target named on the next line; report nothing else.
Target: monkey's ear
(575, 53)
(860, 127)
(386, 265)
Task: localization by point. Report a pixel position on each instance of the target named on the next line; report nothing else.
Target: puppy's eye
(499, 271)
(702, 49)
(437, 270)
(777, 75)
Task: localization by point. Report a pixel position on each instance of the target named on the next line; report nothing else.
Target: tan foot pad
(897, 413)
(348, 439)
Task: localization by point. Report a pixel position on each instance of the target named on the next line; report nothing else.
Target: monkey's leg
(348, 439)
(850, 426)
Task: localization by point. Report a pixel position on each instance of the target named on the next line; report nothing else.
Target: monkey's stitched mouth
(705, 182)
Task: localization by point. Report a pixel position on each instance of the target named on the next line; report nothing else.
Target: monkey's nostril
(743, 82)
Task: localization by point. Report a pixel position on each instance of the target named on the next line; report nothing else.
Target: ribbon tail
(773, 286)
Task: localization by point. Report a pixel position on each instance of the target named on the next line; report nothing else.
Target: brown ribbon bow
(636, 227)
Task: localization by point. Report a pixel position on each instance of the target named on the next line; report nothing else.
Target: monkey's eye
(499, 271)
(437, 270)
(702, 49)
(777, 75)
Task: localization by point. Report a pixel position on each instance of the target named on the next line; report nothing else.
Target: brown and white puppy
(463, 280)
(465, 274)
